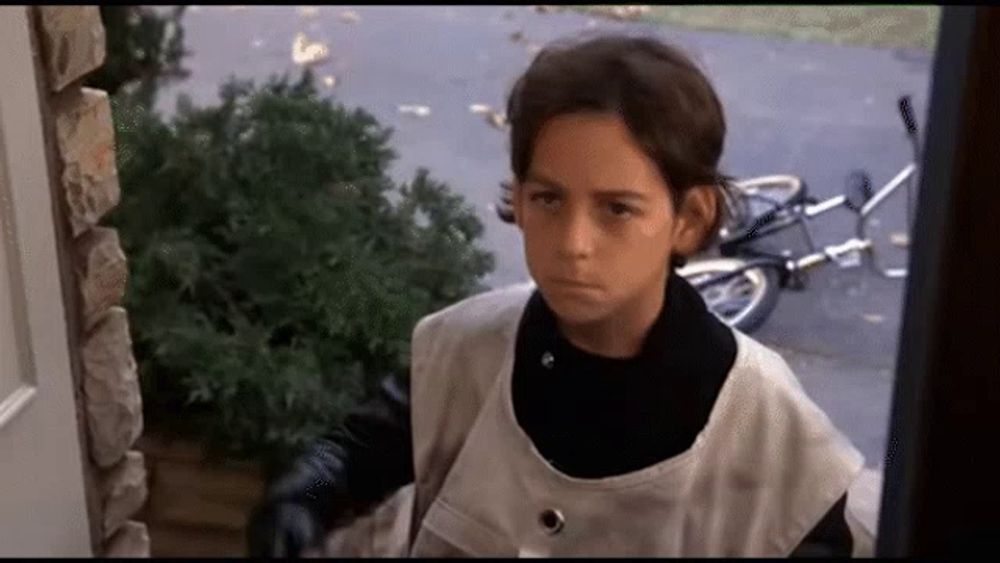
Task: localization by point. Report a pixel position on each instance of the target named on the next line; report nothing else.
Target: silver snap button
(548, 360)
(552, 520)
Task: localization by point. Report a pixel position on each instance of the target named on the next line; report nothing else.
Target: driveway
(815, 110)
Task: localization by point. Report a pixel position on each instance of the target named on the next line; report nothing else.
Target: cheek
(654, 230)
(657, 229)
(533, 225)
(536, 239)
(649, 244)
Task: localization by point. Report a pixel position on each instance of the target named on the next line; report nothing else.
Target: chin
(577, 306)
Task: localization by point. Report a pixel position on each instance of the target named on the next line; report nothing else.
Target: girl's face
(598, 221)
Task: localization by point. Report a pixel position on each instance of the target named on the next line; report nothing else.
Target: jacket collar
(682, 337)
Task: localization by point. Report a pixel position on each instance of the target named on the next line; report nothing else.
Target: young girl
(601, 410)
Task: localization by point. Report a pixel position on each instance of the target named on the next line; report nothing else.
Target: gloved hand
(282, 528)
(339, 476)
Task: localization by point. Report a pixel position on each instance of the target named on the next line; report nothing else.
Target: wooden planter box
(196, 508)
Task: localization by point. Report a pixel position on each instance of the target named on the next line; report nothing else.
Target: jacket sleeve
(830, 538)
(351, 470)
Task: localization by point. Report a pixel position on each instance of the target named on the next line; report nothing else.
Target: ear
(516, 201)
(694, 218)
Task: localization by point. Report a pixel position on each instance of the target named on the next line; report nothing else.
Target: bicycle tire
(765, 278)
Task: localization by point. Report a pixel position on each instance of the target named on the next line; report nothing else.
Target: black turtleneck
(592, 416)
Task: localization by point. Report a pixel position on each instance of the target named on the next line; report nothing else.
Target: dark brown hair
(667, 103)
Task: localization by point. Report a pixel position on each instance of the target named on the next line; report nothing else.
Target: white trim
(42, 503)
(16, 402)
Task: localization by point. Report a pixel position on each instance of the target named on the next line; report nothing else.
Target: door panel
(42, 506)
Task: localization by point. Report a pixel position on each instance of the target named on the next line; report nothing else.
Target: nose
(577, 239)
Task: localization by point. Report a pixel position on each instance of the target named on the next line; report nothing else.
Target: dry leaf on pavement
(350, 16)
(414, 110)
(497, 120)
(305, 52)
(621, 12)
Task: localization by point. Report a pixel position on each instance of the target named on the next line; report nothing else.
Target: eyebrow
(602, 194)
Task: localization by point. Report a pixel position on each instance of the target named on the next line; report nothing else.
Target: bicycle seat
(857, 190)
(781, 188)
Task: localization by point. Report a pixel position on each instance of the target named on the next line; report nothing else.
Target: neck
(622, 334)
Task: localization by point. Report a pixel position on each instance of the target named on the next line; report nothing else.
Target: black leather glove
(339, 477)
(282, 529)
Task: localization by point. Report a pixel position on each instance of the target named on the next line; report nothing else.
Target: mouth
(574, 283)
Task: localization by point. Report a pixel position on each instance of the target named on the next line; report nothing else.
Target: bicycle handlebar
(906, 112)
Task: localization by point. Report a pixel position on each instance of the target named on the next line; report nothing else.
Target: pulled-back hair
(668, 104)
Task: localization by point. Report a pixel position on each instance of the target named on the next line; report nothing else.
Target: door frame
(45, 369)
(940, 495)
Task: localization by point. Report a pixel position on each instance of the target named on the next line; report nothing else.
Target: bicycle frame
(786, 215)
(905, 176)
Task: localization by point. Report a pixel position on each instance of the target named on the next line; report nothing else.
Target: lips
(574, 283)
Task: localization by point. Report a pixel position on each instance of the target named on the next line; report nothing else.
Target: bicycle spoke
(731, 297)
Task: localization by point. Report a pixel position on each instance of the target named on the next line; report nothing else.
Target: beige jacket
(765, 469)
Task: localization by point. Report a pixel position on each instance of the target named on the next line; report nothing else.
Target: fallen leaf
(350, 16)
(414, 110)
(901, 240)
(480, 109)
(874, 319)
(305, 52)
(621, 12)
(497, 120)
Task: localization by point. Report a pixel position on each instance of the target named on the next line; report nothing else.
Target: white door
(42, 507)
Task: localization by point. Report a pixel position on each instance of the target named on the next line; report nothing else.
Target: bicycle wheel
(743, 302)
(756, 196)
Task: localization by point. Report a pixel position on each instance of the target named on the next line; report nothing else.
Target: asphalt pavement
(815, 110)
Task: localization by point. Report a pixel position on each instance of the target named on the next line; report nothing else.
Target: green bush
(145, 47)
(272, 280)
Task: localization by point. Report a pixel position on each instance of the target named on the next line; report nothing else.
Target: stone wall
(70, 43)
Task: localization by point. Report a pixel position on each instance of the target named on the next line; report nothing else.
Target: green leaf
(272, 281)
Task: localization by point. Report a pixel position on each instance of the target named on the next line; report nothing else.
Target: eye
(547, 199)
(621, 210)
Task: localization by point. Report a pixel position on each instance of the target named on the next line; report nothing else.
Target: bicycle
(742, 286)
